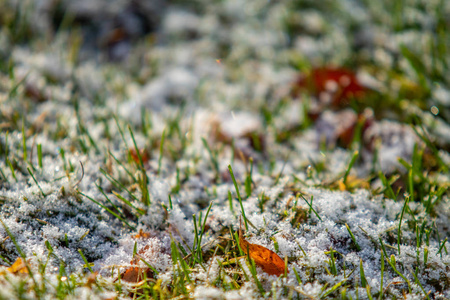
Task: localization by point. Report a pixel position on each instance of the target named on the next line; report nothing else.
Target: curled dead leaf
(268, 260)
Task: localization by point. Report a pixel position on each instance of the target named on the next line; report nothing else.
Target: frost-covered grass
(137, 134)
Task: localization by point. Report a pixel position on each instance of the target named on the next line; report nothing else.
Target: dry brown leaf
(268, 260)
(136, 274)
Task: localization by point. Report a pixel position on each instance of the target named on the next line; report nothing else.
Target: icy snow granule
(208, 293)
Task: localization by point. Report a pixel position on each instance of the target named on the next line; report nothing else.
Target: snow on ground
(207, 72)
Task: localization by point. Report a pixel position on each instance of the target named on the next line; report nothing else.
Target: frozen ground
(201, 86)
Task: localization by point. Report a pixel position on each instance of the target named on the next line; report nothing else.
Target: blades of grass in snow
(120, 131)
(35, 181)
(387, 187)
(238, 195)
(144, 123)
(196, 237)
(62, 285)
(6, 146)
(275, 243)
(438, 194)
(199, 248)
(252, 268)
(39, 153)
(24, 142)
(296, 179)
(13, 91)
(108, 210)
(144, 180)
(234, 235)
(353, 237)
(369, 294)
(243, 270)
(299, 280)
(248, 179)
(301, 248)
(213, 158)
(11, 167)
(311, 208)
(350, 165)
(382, 274)
(332, 289)
(84, 235)
(182, 248)
(442, 246)
(161, 149)
(7, 262)
(362, 275)
(117, 184)
(87, 264)
(3, 175)
(135, 249)
(411, 185)
(282, 168)
(392, 264)
(428, 142)
(83, 146)
(418, 282)
(262, 200)
(83, 129)
(332, 262)
(230, 203)
(138, 210)
(399, 235)
(63, 157)
(123, 167)
(177, 187)
(412, 168)
(170, 202)
(107, 198)
(416, 63)
(177, 258)
(150, 266)
(22, 255)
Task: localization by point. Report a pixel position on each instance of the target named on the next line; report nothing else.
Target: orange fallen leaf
(18, 267)
(268, 260)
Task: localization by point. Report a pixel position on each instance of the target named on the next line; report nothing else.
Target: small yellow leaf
(18, 267)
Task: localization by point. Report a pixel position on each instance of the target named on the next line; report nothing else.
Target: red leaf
(332, 85)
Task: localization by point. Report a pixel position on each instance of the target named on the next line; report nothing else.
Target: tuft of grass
(161, 150)
(214, 158)
(350, 166)
(143, 179)
(230, 169)
(352, 236)
(35, 181)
